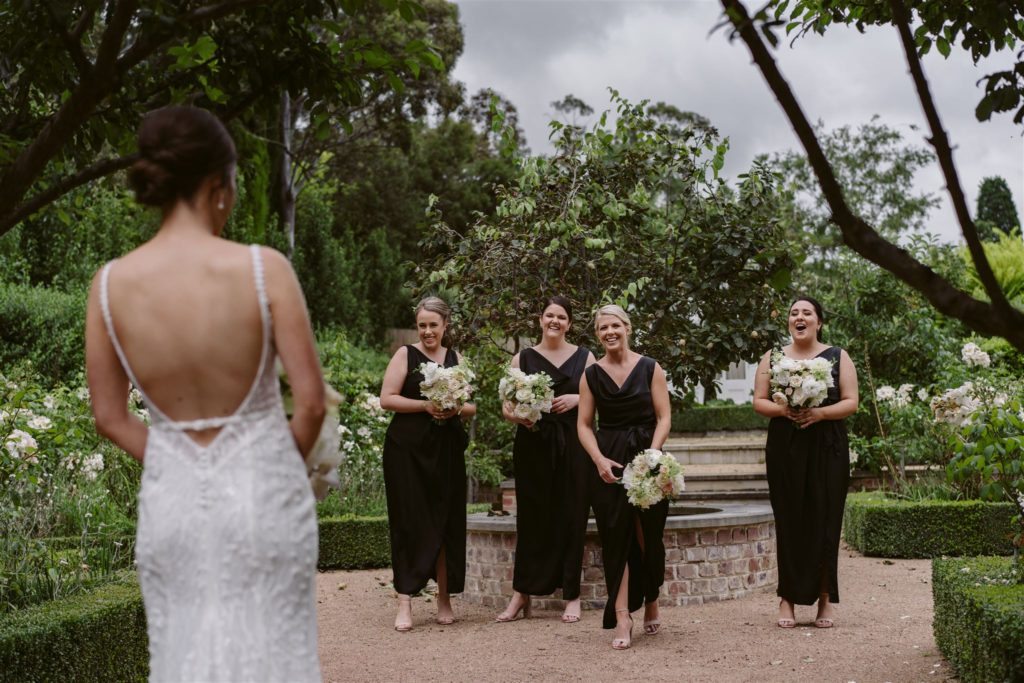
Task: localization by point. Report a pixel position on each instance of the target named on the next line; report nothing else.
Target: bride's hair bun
(179, 147)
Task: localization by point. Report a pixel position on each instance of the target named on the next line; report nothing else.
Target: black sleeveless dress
(425, 482)
(552, 505)
(626, 422)
(808, 476)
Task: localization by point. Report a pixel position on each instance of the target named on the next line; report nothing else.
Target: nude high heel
(624, 643)
(401, 625)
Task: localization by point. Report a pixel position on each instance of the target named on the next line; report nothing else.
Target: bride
(227, 535)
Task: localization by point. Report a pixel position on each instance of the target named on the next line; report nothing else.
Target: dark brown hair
(179, 147)
(558, 300)
(817, 311)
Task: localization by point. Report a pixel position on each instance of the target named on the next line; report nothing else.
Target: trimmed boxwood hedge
(354, 543)
(717, 419)
(99, 635)
(979, 618)
(881, 526)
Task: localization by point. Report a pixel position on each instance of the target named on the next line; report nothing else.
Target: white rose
(40, 423)
(524, 395)
(796, 381)
(780, 398)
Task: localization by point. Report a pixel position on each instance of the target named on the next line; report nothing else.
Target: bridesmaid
(629, 392)
(551, 470)
(425, 472)
(808, 461)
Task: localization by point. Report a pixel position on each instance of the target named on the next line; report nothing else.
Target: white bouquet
(800, 383)
(446, 388)
(530, 395)
(323, 459)
(652, 476)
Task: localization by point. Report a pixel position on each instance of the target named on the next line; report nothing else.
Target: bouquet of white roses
(323, 459)
(446, 388)
(652, 476)
(530, 395)
(800, 383)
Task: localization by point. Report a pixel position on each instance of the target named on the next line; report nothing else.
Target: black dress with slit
(626, 422)
(808, 476)
(551, 471)
(425, 482)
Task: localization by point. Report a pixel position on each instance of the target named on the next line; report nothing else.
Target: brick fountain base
(716, 552)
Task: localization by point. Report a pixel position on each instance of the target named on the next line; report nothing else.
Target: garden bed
(354, 543)
(881, 526)
(99, 635)
(979, 618)
(731, 418)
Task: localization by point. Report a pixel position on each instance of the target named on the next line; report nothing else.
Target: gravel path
(883, 633)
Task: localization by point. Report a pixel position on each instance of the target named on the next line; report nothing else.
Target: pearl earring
(220, 204)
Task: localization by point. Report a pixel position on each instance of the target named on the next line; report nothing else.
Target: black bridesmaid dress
(626, 421)
(551, 471)
(808, 476)
(425, 482)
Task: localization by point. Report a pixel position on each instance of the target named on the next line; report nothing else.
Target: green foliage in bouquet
(95, 636)
(979, 617)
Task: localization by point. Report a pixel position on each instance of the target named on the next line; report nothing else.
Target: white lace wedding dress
(227, 537)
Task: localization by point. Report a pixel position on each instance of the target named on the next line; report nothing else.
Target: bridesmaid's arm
(585, 430)
(848, 397)
(662, 407)
(108, 385)
(391, 388)
(763, 404)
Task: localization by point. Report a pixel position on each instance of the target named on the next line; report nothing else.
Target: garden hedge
(881, 526)
(99, 635)
(44, 326)
(717, 419)
(354, 543)
(979, 618)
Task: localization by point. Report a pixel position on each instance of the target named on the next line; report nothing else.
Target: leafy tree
(632, 215)
(994, 27)
(996, 210)
(77, 75)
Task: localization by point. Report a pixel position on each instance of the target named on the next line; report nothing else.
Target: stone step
(718, 450)
(727, 477)
(712, 496)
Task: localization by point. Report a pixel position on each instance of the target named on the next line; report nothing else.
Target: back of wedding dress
(227, 537)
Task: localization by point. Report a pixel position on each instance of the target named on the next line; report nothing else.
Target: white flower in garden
(82, 394)
(885, 393)
(922, 394)
(853, 457)
(21, 445)
(49, 402)
(40, 423)
(348, 446)
(71, 461)
(956, 406)
(371, 403)
(999, 400)
(92, 466)
(972, 355)
(343, 430)
(364, 432)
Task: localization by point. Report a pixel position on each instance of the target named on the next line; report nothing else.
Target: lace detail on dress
(227, 537)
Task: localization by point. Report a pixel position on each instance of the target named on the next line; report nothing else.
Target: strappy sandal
(785, 622)
(568, 617)
(624, 643)
(403, 626)
(522, 613)
(824, 622)
(652, 627)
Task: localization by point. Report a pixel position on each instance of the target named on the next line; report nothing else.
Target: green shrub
(45, 327)
(979, 618)
(717, 418)
(354, 543)
(95, 636)
(881, 526)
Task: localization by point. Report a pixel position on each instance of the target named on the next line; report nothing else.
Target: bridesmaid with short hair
(425, 471)
(628, 392)
(551, 473)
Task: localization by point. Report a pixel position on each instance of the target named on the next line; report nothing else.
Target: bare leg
(786, 619)
(571, 614)
(623, 621)
(825, 614)
(652, 622)
(445, 615)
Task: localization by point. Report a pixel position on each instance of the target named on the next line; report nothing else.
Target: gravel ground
(883, 632)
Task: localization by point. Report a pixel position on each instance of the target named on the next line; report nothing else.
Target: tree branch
(59, 189)
(71, 44)
(858, 235)
(944, 153)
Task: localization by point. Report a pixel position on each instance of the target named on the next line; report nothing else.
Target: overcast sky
(536, 51)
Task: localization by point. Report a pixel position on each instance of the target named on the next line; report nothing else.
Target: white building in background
(735, 384)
